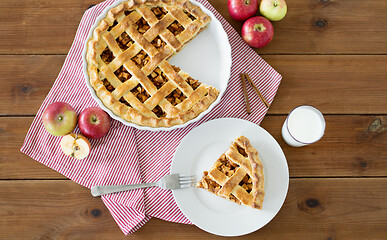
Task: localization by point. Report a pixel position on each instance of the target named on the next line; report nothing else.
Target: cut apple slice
(75, 145)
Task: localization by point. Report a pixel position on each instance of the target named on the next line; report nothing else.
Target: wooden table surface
(332, 55)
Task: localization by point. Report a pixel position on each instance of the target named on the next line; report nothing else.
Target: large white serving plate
(199, 150)
(206, 58)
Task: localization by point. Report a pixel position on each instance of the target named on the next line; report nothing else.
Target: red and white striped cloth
(127, 155)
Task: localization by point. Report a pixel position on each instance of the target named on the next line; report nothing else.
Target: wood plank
(13, 163)
(42, 26)
(334, 84)
(25, 82)
(49, 26)
(352, 146)
(314, 209)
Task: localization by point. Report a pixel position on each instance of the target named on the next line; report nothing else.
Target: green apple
(274, 10)
(59, 118)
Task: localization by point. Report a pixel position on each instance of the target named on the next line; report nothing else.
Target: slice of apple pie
(237, 175)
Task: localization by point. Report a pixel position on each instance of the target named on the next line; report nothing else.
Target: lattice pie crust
(237, 175)
(128, 68)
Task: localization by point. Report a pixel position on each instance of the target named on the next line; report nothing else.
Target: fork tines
(186, 180)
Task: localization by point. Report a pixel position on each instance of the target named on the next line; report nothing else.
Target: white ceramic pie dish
(206, 58)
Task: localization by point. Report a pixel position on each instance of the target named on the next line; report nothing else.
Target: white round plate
(199, 150)
(206, 58)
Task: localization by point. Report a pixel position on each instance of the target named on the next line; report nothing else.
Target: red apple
(94, 122)
(242, 9)
(257, 32)
(59, 118)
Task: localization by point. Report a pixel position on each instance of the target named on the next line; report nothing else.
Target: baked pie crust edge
(128, 113)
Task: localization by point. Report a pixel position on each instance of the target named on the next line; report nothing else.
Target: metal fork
(172, 181)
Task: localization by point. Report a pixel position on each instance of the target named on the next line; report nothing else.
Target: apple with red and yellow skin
(59, 118)
(274, 10)
(257, 32)
(241, 10)
(75, 145)
(94, 122)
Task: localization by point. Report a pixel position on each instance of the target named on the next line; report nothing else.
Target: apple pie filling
(240, 150)
(159, 12)
(158, 78)
(107, 85)
(176, 28)
(190, 16)
(107, 55)
(159, 111)
(113, 25)
(127, 12)
(122, 74)
(158, 43)
(192, 82)
(140, 93)
(122, 100)
(246, 183)
(124, 41)
(209, 184)
(141, 59)
(176, 97)
(225, 166)
(142, 25)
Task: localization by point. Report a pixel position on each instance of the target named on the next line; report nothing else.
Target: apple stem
(60, 118)
(94, 119)
(275, 4)
(259, 27)
(247, 2)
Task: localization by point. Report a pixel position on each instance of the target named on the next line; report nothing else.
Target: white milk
(304, 125)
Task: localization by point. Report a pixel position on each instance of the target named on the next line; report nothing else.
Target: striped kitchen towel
(127, 155)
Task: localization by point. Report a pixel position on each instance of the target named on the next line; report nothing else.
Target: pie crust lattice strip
(237, 175)
(128, 68)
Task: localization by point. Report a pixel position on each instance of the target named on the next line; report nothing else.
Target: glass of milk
(304, 125)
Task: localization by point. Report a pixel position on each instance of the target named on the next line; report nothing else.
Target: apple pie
(127, 62)
(237, 175)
